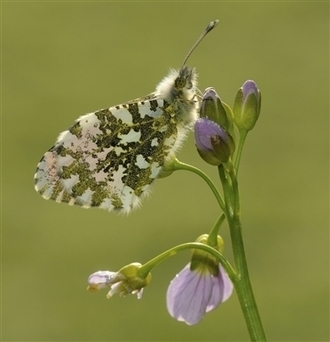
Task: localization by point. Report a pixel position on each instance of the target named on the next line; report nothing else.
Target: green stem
(227, 190)
(177, 165)
(212, 239)
(148, 266)
(234, 184)
(243, 285)
(242, 135)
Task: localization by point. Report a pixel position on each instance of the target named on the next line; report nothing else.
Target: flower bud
(247, 106)
(214, 109)
(214, 144)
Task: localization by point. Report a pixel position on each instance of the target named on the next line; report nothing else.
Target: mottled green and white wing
(109, 158)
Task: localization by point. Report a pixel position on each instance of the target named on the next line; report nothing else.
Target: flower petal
(188, 295)
(222, 289)
(100, 279)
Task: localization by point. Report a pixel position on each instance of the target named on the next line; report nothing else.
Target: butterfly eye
(180, 82)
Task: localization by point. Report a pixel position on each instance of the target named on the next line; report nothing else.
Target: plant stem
(242, 285)
(239, 150)
(149, 265)
(212, 239)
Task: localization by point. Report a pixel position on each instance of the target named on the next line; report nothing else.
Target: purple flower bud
(214, 109)
(247, 106)
(191, 294)
(248, 88)
(214, 143)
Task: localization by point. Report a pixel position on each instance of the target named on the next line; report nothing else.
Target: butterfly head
(186, 82)
(178, 85)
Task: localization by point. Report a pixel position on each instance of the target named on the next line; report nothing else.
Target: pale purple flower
(191, 294)
(123, 282)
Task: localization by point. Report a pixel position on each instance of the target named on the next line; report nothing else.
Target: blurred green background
(64, 59)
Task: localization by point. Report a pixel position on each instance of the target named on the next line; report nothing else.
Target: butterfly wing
(109, 158)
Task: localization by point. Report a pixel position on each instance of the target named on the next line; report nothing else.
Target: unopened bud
(214, 144)
(247, 106)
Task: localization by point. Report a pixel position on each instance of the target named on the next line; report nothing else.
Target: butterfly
(109, 158)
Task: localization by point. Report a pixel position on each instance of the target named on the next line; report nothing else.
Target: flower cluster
(214, 131)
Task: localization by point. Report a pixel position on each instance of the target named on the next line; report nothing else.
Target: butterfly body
(109, 158)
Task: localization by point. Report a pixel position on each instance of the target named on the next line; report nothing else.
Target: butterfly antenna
(209, 28)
